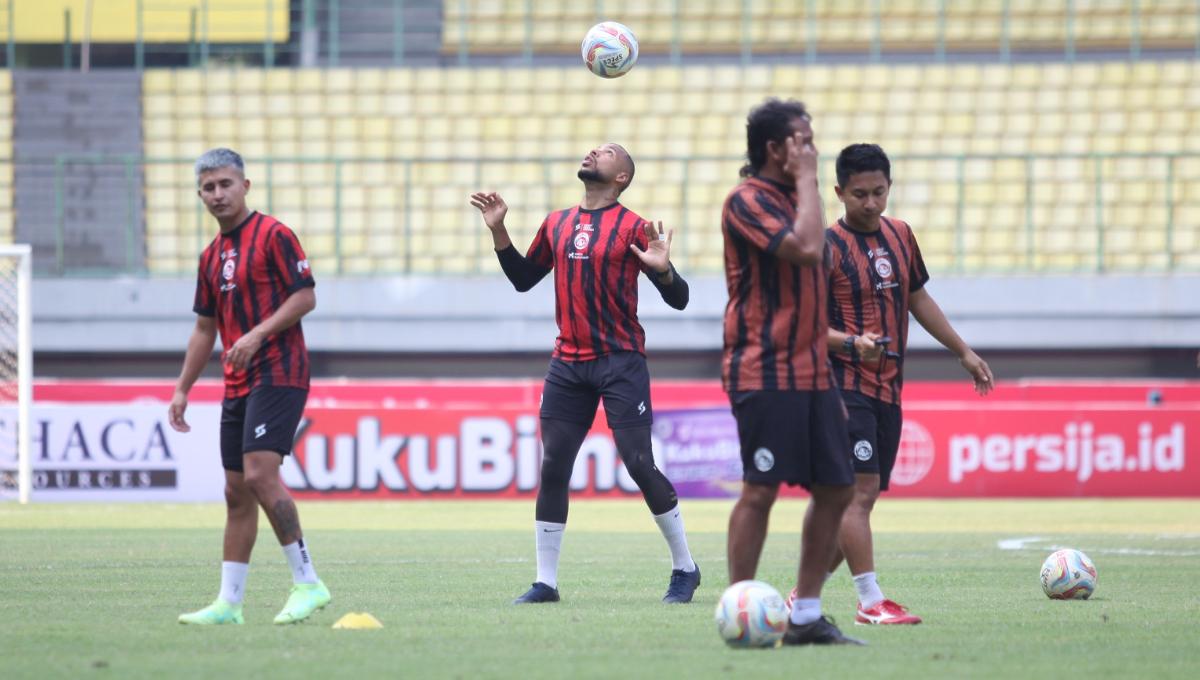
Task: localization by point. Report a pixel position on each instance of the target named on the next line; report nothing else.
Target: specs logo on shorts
(642, 408)
(260, 431)
(863, 450)
(764, 460)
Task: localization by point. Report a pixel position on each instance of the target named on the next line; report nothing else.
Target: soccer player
(253, 286)
(596, 250)
(877, 277)
(790, 419)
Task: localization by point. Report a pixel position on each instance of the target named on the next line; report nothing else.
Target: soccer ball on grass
(751, 614)
(1068, 575)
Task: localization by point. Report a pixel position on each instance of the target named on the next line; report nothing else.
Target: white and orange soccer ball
(1068, 575)
(751, 614)
(609, 49)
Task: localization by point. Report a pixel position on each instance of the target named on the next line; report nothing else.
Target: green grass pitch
(93, 591)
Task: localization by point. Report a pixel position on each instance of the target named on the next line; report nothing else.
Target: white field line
(1041, 546)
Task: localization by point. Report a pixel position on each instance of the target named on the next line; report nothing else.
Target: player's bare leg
(241, 518)
(748, 529)
(857, 545)
(818, 543)
(308, 594)
(241, 529)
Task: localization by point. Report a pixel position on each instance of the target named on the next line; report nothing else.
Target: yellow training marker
(357, 621)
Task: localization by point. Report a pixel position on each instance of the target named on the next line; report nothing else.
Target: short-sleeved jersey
(244, 276)
(595, 279)
(870, 279)
(775, 321)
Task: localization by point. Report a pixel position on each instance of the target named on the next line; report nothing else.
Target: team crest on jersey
(228, 269)
(883, 267)
(582, 239)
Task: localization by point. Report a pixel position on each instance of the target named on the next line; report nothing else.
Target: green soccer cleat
(305, 599)
(218, 613)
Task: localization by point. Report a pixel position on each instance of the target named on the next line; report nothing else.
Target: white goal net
(16, 373)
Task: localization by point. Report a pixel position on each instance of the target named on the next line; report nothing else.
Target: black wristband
(848, 345)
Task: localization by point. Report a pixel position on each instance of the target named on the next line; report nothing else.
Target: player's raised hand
(980, 372)
(243, 350)
(657, 255)
(493, 208)
(801, 157)
(176, 410)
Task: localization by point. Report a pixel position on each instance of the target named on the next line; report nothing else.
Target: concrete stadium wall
(476, 315)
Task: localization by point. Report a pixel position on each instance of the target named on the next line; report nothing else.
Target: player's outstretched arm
(199, 349)
(289, 314)
(927, 312)
(522, 273)
(656, 262)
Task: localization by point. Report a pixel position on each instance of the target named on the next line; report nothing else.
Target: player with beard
(596, 250)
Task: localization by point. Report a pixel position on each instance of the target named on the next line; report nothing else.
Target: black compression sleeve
(674, 294)
(520, 271)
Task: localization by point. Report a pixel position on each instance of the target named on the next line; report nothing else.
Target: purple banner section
(699, 452)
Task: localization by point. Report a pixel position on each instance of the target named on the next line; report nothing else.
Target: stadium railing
(199, 33)
(972, 213)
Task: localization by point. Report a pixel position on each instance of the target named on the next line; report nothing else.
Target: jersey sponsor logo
(764, 460)
(863, 450)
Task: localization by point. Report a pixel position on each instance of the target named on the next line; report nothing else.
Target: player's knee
(261, 483)
(640, 465)
(759, 497)
(238, 497)
(866, 492)
(555, 474)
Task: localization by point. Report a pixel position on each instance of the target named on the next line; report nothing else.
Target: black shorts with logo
(265, 420)
(573, 390)
(793, 437)
(874, 429)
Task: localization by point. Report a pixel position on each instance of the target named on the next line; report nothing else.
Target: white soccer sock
(233, 581)
(670, 523)
(869, 593)
(548, 538)
(805, 610)
(297, 557)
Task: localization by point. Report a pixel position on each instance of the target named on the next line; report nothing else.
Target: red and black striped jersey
(871, 277)
(595, 279)
(775, 321)
(244, 276)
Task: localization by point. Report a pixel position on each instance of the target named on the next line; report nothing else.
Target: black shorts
(793, 437)
(573, 390)
(874, 430)
(266, 420)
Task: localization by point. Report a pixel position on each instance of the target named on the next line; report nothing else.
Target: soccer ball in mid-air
(751, 614)
(1068, 575)
(609, 49)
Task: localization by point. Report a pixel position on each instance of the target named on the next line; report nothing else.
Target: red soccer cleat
(885, 612)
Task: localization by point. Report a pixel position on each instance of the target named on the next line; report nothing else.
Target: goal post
(16, 370)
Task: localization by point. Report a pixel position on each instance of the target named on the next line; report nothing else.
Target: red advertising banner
(1019, 450)
(458, 439)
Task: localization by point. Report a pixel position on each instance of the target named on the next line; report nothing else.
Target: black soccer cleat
(540, 592)
(819, 632)
(683, 585)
